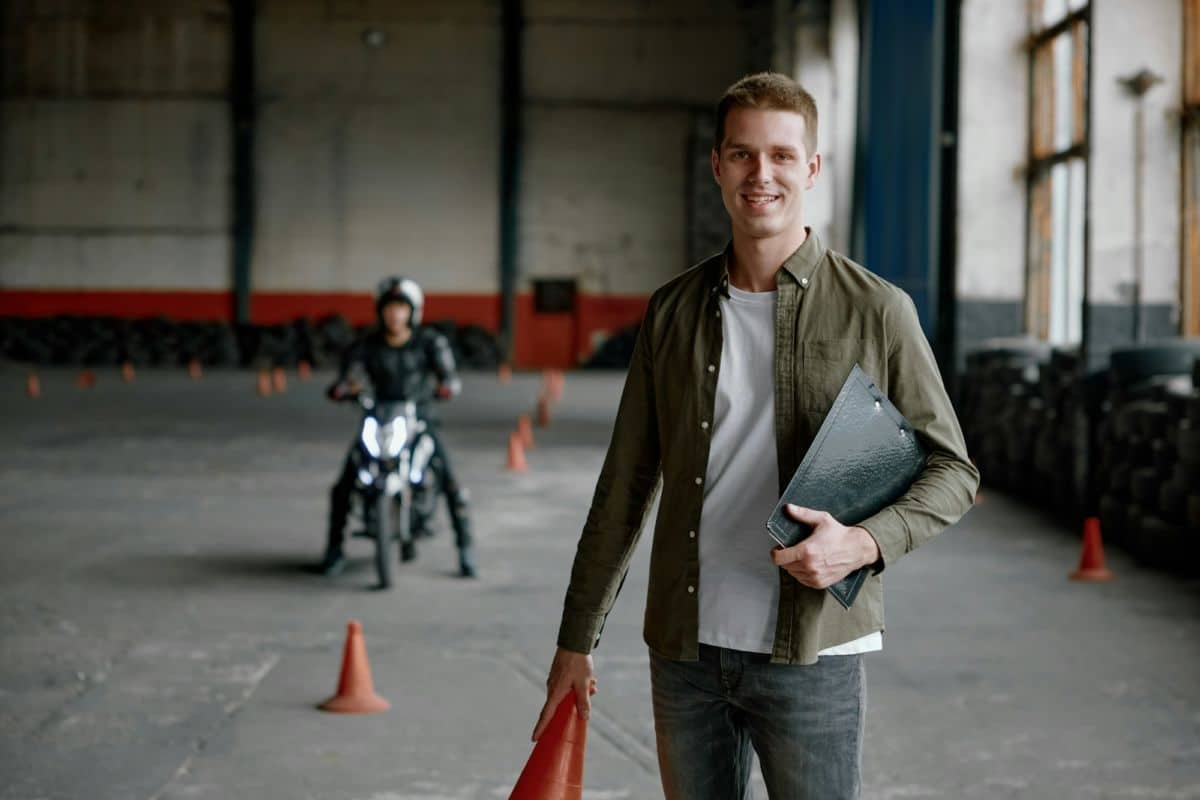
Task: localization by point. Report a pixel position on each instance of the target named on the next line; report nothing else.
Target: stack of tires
(158, 341)
(1147, 467)
(1054, 479)
(1004, 410)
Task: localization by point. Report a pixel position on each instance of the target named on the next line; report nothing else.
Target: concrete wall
(992, 140)
(1129, 37)
(377, 160)
(114, 146)
(611, 93)
(377, 151)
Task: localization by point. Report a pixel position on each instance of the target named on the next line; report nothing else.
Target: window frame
(1042, 157)
(1189, 130)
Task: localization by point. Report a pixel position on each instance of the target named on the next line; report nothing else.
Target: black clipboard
(863, 459)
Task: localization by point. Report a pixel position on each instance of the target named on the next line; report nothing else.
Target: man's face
(396, 316)
(763, 169)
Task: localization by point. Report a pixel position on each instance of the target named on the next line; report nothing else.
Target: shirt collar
(799, 268)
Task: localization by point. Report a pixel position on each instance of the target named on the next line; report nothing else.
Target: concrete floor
(162, 638)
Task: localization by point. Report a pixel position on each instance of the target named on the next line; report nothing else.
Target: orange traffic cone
(304, 370)
(127, 373)
(504, 373)
(195, 371)
(516, 454)
(555, 768)
(264, 383)
(86, 379)
(543, 411)
(33, 386)
(1091, 563)
(279, 380)
(525, 428)
(356, 691)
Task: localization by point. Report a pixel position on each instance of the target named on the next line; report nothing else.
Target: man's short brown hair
(769, 91)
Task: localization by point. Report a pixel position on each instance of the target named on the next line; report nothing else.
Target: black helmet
(404, 290)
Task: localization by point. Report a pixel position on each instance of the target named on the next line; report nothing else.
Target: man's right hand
(570, 672)
(343, 390)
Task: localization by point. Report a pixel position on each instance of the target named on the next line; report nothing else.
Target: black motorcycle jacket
(411, 372)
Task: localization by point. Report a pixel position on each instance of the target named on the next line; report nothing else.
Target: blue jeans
(805, 723)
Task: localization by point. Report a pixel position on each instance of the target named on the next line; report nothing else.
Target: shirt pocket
(826, 365)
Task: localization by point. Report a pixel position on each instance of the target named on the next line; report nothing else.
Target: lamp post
(1138, 84)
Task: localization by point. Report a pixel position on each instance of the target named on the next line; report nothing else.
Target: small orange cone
(304, 370)
(33, 386)
(264, 383)
(195, 371)
(543, 411)
(86, 379)
(516, 454)
(279, 380)
(525, 428)
(127, 373)
(555, 768)
(356, 691)
(504, 373)
(1091, 563)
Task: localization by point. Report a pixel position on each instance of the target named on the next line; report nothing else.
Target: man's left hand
(831, 552)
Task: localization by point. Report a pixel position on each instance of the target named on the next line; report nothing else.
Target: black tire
(381, 528)
(1135, 364)
(1160, 544)
(1189, 445)
(1112, 518)
(1172, 501)
(1144, 484)
(403, 506)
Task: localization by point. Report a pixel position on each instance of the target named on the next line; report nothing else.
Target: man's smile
(760, 199)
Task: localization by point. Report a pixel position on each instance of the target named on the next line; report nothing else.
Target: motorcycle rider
(403, 361)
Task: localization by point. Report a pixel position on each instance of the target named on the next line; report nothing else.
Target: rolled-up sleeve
(945, 490)
(624, 492)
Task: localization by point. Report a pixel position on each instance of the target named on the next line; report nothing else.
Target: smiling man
(737, 363)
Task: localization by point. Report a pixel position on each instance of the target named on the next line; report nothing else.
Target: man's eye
(739, 154)
(784, 157)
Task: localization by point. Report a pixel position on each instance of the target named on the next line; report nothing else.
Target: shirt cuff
(580, 632)
(889, 532)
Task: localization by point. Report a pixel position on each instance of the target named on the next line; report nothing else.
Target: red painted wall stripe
(542, 340)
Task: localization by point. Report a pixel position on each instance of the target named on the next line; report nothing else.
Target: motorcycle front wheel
(381, 528)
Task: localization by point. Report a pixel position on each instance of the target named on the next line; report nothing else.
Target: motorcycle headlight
(392, 437)
(384, 440)
(370, 436)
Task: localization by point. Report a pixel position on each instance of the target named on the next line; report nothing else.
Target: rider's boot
(461, 521)
(408, 551)
(334, 561)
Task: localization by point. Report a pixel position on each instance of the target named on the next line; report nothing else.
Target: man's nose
(760, 168)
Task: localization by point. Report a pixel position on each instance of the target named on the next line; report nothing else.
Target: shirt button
(691, 590)
(804, 281)
(712, 367)
(704, 425)
(691, 534)
(699, 481)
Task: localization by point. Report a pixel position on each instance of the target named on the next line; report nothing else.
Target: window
(1057, 170)
(1189, 277)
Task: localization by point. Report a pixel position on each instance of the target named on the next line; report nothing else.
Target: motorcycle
(393, 478)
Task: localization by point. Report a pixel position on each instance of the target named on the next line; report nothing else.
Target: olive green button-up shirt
(831, 313)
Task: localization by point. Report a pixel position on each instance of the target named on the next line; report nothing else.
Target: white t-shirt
(739, 584)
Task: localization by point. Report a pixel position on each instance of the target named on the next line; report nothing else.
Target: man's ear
(814, 170)
(716, 164)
